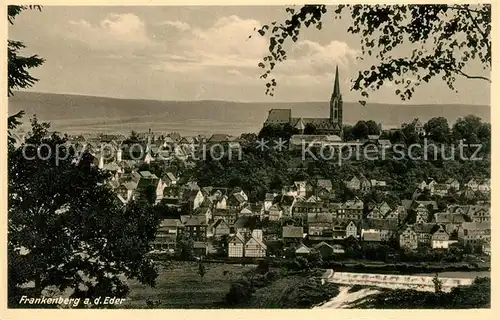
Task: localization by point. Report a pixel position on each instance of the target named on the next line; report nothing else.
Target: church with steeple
(329, 126)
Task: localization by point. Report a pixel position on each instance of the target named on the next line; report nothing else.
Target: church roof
(319, 123)
(279, 115)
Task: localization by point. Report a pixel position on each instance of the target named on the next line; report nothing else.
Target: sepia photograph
(332, 156)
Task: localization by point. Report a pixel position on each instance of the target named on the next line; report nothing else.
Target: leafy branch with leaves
(444, 38)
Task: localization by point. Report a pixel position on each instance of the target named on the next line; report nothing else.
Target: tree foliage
(18, 76)
(65, 227)
(444, 39)
(202, 269)
(438, 129)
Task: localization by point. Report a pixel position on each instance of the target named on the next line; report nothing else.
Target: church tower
(336, 103)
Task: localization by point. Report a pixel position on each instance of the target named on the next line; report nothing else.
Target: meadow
(179, 286)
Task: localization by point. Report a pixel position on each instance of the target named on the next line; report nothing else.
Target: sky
(201, 53)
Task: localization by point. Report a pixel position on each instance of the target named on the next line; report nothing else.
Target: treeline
(261, 172)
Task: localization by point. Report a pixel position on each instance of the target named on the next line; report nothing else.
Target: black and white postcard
(330, 156)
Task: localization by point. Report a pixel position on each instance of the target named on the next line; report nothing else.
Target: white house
(254, 247)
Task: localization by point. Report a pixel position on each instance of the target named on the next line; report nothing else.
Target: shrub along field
(179, 285)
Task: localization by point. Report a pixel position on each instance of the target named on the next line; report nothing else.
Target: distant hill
(77, 114)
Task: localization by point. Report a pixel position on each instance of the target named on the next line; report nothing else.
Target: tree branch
(469, 15)
(472, 77)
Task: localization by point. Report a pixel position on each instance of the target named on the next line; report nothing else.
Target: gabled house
(422, 215)
(238, 190)
(452, 183)
(302, 250)
(440, 189)
(170, 179)
(441, 239)
(424, 232)
(255, 247)
(246, 211)
(365, 184)
(236, 201)
(192, 199)
(384, 208)
(236, 246)
(204, 211)
(431, 185)
(195, 227)
(127, 191)
(220, 201)
(301, 187)
(325, 250)
(375, 214)
(351, 230)
(166, 235)
(449, 218)
(292, 235)
(474, 232)
(320, 226)
(353, 184)
(408, 238)
(324, 188)
(269, 200)
(392, 215)
(229, 216)
(386, 229)
(221, 228)
(422, 185)
(286, 203)
(479, 213)
(338, 231)
(351, 209)
(275, 212)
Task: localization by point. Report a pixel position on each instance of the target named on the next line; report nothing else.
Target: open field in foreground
(179, 286)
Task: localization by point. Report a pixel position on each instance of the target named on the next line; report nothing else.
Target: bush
(308, 294)
(263, 266)
(272, 275)
(239, 292)
(477, 295)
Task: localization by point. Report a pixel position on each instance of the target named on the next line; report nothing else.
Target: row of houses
(246, 239)
(442, 188)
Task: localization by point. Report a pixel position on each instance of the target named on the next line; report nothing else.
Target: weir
(391, 281)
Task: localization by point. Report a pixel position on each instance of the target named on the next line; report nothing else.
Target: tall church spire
(336, 86)
(336, 100)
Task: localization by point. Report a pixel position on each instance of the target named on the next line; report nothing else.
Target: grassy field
(179, 286)
(295, 291)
